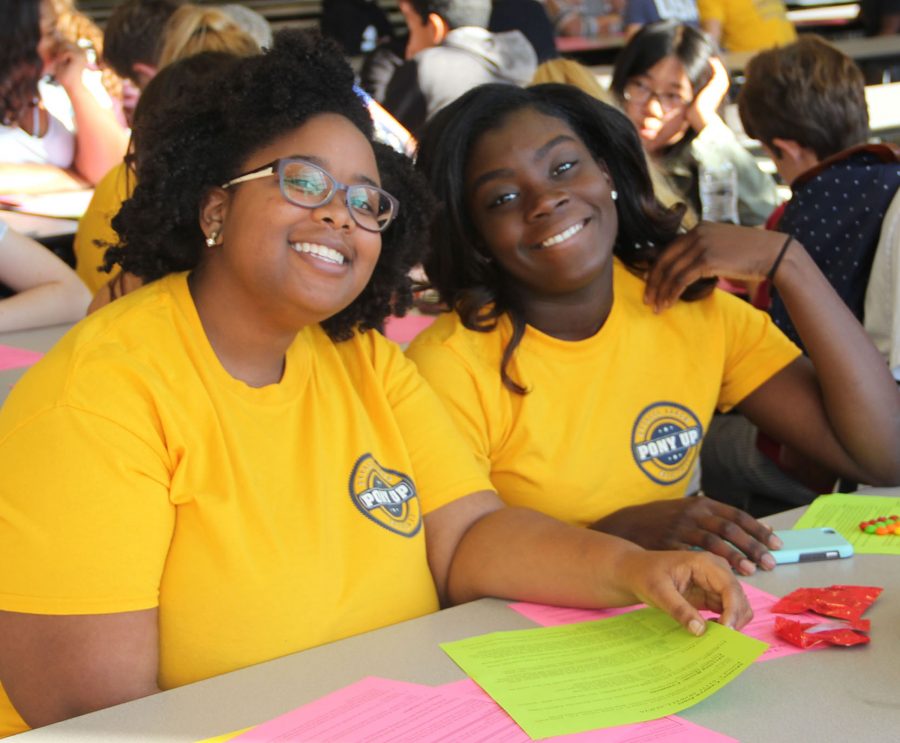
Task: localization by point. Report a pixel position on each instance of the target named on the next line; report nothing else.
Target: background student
(806, 103)
(670, 83)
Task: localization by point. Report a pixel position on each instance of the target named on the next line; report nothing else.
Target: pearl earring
(614, 194)
(211, 240)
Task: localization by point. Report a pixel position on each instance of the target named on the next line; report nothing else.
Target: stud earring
(614, 194)
(211, 240)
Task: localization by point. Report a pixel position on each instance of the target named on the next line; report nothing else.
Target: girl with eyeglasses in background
(670, 83)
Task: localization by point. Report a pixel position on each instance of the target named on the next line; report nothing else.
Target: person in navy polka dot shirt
(806, 103)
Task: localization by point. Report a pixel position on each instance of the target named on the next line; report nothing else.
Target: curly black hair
(20, 65)
(200, 142)
(475, 287)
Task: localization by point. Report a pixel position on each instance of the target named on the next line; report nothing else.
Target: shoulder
(447, 342)
(117, 352)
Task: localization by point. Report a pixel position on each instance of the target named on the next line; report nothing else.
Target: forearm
(861, 400)
(100, 142)
(518, 553)
(49, 304)
(35, 178)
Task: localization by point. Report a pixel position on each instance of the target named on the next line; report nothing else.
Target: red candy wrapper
(801, 634)
(841, 602)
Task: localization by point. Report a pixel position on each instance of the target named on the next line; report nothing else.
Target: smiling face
(287, 266)
(543, 206)
(657, 102)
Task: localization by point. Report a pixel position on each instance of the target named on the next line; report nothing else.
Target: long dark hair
(20, 65)
(476, 288)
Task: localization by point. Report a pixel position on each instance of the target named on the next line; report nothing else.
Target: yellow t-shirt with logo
(749, 25)
(96, 224)
(138, 473)
(612, 421)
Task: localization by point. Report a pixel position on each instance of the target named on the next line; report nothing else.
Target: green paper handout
(843, 513)
(634, 667)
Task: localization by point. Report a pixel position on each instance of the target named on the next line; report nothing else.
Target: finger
(741, 530)
(689, 268)
(716, 545)
(660, 268)
(669, 598)
(722, 592)
(736, 611)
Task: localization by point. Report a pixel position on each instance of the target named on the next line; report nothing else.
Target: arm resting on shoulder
(840, 407)
(57, 667)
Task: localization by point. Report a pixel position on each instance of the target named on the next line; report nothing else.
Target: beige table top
(822, 695)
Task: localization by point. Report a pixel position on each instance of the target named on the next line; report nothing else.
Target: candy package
(847, 603)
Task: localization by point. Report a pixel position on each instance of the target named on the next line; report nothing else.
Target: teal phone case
(807, 545)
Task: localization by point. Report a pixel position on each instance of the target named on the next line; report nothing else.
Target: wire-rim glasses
(309, 185)
(640, 93)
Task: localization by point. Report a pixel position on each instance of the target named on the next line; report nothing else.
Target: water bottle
(369, 39)
(719, 192)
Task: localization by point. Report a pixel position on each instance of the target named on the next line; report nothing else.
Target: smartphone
(806, 545)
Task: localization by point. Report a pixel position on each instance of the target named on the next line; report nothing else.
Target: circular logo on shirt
(665, 441)
(385, 496)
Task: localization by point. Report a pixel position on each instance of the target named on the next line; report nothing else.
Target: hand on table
(696, 521)
(681, 583)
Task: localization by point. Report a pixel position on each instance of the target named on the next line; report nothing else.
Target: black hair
(202, 141)
(184, 78)
(456, 13)
(134, 33)
(475, 287)
(20, 65)
(653, 43)
(656, 41)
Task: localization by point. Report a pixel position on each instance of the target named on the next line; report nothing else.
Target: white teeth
(564, 235)
(320, 251)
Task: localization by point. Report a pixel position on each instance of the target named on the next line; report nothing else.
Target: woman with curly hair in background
(37, 144)
(241, 467)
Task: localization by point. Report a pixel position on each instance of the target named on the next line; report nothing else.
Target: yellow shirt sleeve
(755, 351)
(96, 226)
(105, 495)
(443, 458)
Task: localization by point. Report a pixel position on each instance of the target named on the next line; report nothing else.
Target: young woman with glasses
(229, 465)
(670, 83)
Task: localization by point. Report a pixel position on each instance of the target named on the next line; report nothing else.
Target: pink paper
(404, 329)
(14, 358)
(762, 626)
(376, 710)
(670, 729)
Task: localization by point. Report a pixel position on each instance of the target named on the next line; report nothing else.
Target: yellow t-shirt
(139, 473)
(96, 224)
(749, 25)
(611, 421)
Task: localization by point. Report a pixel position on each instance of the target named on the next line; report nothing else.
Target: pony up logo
(385, 496)
(665, 441)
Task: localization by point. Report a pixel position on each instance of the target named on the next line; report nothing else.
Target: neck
(247, 350)
(573, 316)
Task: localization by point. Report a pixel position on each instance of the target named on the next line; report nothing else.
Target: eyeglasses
(636, 92)
(305, 184)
